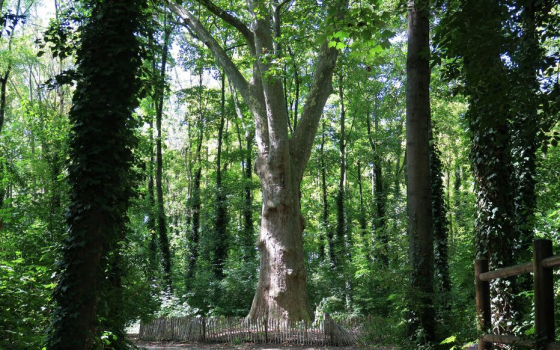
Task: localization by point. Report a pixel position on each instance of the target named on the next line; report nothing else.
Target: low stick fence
(348, 332)
(541, 267)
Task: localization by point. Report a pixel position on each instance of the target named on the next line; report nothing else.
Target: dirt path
(200, 346)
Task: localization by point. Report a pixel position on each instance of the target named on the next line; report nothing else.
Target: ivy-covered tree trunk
(161, 217)
(531, 118)
(488, 112)
(101, 143)
(421, 243)
(441, 225)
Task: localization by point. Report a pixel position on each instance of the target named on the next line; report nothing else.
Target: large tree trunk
(418, 170)
(281, 290)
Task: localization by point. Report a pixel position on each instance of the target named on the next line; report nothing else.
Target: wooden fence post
(203, 330)
(266, 330)
(544, 294)
(482, 302)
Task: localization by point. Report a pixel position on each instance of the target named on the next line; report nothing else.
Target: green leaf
(449, 340)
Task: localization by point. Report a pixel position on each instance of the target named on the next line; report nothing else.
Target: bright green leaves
(364, 31)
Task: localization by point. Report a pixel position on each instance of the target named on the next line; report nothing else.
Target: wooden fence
(349, 332)
(541, 267)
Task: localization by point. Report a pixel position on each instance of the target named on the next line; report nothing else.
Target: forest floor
(149, 345)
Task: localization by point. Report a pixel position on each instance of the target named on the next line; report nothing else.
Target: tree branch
(251, 93)
(321, 88)
(233, 74)
(232, 20)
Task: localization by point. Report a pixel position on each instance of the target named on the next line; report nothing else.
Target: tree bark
(418, 170)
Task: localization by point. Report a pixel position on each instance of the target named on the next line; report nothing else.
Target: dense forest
(273, 158)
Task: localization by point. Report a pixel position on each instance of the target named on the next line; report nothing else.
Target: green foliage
(372, 279)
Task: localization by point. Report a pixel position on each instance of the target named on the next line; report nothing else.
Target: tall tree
(418, 172)
(8, 23)
(159, 97)
(480, 41)
(101, 143)
(324, 186)
(380, 196)
(247, 170)
(340, 247)
(281, 290)
(221, 245)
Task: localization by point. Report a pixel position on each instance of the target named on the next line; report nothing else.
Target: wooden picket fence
(348, 332)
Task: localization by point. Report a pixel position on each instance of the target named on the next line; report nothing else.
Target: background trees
(353, 192)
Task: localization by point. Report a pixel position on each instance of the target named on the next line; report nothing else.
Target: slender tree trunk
(326, 225)
(248, 228)
(380, 199)
(195, 235)
(3, 96)
(161, 217)
(221, 245)
(151, 224)
(340, 247)
(418, 168)
(247, 168)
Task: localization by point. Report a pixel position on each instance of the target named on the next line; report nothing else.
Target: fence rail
(541, 267)
(349, 332)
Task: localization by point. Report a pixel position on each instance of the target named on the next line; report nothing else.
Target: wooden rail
(541, 267)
